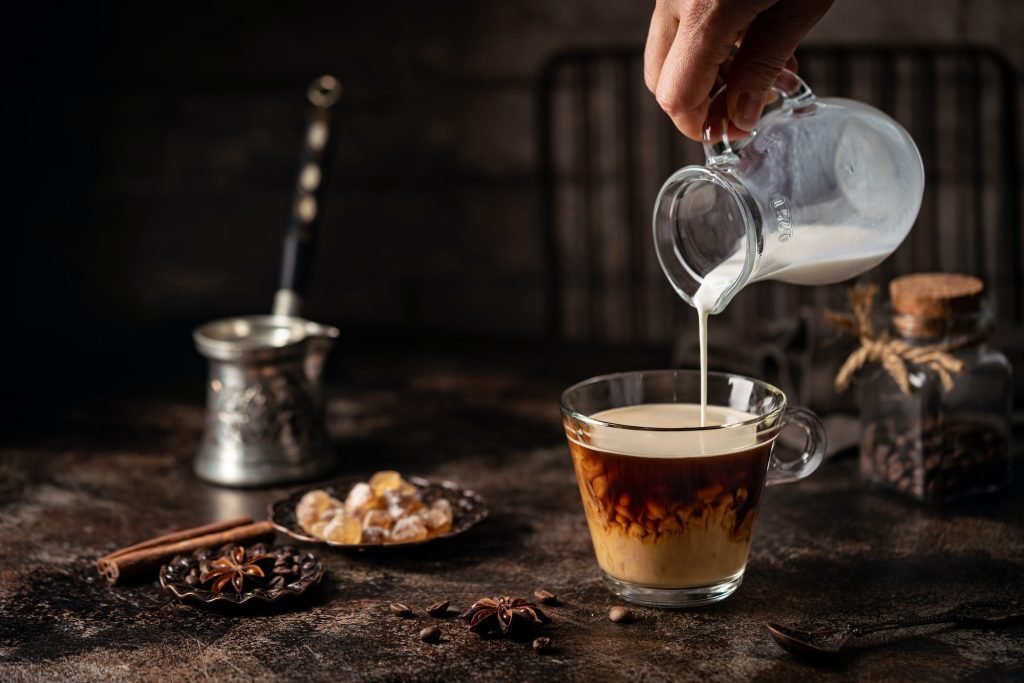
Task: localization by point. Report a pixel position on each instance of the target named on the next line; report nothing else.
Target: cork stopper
(934, 304)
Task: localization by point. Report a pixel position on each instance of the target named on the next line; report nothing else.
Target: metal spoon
(828, 642)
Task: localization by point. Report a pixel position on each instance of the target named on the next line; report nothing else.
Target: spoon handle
(947, 617)
(970, 614)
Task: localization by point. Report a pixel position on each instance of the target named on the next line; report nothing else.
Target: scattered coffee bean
(542, 644)
(545, 597)
(620, 614)
(430, 634)
(400, 610)
(191, 579)
(438, 609)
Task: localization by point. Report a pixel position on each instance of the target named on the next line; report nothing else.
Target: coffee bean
(438, 609)
(895, 471)
(400, 610)
(542, 644)
(430, 634)
(545, 598)
(620, 614)
(191, 579)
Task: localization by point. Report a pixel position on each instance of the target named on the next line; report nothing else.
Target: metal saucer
(468, 510)
(173, 577)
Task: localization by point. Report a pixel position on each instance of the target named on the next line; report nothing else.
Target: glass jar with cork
(936, 414)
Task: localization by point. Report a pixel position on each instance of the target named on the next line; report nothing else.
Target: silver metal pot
(264, 406)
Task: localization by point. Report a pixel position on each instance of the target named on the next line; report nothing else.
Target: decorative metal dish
(468, 510)
(230, 577)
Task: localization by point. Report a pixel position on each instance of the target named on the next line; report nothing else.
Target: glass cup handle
(789, 92)
(785, 471)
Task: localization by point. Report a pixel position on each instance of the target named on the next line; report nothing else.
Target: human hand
(690, 44)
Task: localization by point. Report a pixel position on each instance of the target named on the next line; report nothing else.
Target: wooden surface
(826, 551)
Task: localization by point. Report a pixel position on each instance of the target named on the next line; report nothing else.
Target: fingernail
(747, 109)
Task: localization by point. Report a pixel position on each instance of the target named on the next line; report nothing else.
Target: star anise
(503, 616)
(233, 568)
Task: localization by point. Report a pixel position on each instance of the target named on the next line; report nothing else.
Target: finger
(792, 64)
(767, 46)
(703, 42)
(664, 24)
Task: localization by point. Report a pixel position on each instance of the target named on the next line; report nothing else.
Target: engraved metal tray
(173, 577)
(468, 510)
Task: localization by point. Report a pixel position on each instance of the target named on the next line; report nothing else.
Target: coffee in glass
(671, 505)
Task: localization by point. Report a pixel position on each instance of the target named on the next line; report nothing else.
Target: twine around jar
(893, 354)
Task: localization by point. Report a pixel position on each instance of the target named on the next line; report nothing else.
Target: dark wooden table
(826, 551)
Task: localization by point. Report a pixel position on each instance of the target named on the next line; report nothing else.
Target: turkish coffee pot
(264, 402)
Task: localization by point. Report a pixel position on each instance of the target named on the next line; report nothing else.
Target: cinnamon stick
(181, 536)
(143, 558)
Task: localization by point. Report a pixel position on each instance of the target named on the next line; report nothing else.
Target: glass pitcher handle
(722, 139)
(784, 471)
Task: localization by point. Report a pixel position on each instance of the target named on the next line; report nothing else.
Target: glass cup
(671, 505)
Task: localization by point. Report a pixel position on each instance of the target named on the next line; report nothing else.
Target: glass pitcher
(822, 190)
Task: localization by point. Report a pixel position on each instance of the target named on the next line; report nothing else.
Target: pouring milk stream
(821, 191)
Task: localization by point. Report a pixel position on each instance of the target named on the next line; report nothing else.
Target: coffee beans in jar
(938, 439)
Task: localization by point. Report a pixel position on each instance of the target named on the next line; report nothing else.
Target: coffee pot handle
(813, 451)
(722, 139)
(307, 204)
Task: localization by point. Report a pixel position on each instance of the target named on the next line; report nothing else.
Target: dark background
(155, 149)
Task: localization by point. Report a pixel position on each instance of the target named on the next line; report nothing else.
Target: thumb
(767, 47)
